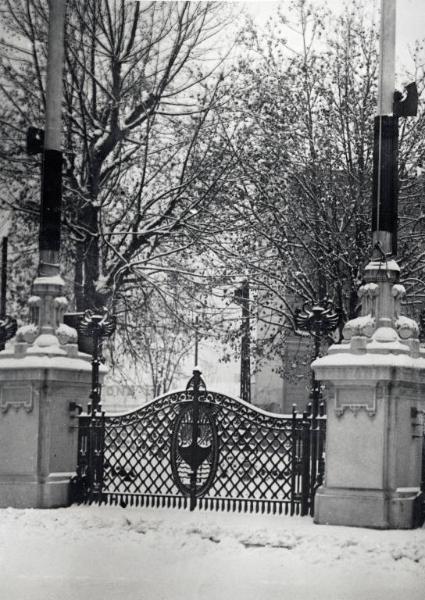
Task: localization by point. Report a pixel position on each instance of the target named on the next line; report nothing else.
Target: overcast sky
(410, 20)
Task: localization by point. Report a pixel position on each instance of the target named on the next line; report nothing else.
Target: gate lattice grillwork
(234, 457)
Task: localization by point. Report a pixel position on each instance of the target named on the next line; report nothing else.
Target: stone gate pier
(41, 375)
(376, 381)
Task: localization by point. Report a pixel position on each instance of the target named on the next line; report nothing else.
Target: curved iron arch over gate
(201, 448)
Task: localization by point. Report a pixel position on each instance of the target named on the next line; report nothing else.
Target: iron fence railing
(202, 448)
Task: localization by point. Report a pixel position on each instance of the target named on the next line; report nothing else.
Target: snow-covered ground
(105, 553)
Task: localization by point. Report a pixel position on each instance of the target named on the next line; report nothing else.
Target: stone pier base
(365, 508)
(38, 429)
(374, 441)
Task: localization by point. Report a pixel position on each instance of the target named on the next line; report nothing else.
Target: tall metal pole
(386, 81)
(196, 340)
(245, 391)
(3, 286)
(385, 155)
(3, 277)
(51, 179)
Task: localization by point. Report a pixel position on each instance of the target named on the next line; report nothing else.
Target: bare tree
(298, 220)
(140, 99)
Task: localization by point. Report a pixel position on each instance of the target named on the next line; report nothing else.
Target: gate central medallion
(194, 448)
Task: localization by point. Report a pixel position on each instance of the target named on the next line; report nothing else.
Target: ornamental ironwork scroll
(8, 327)
(98, 326)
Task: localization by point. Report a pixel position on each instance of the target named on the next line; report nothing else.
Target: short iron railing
(202, 448)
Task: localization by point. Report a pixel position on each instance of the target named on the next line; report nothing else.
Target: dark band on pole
(385, 177)
(51, 200)
(3, 278)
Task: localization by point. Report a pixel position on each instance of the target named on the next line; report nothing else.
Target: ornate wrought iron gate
(201, 448)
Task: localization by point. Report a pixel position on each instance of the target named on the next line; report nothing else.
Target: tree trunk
(87, 263)
(78, 278)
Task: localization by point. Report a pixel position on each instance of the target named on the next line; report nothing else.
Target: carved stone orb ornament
(66, 334)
